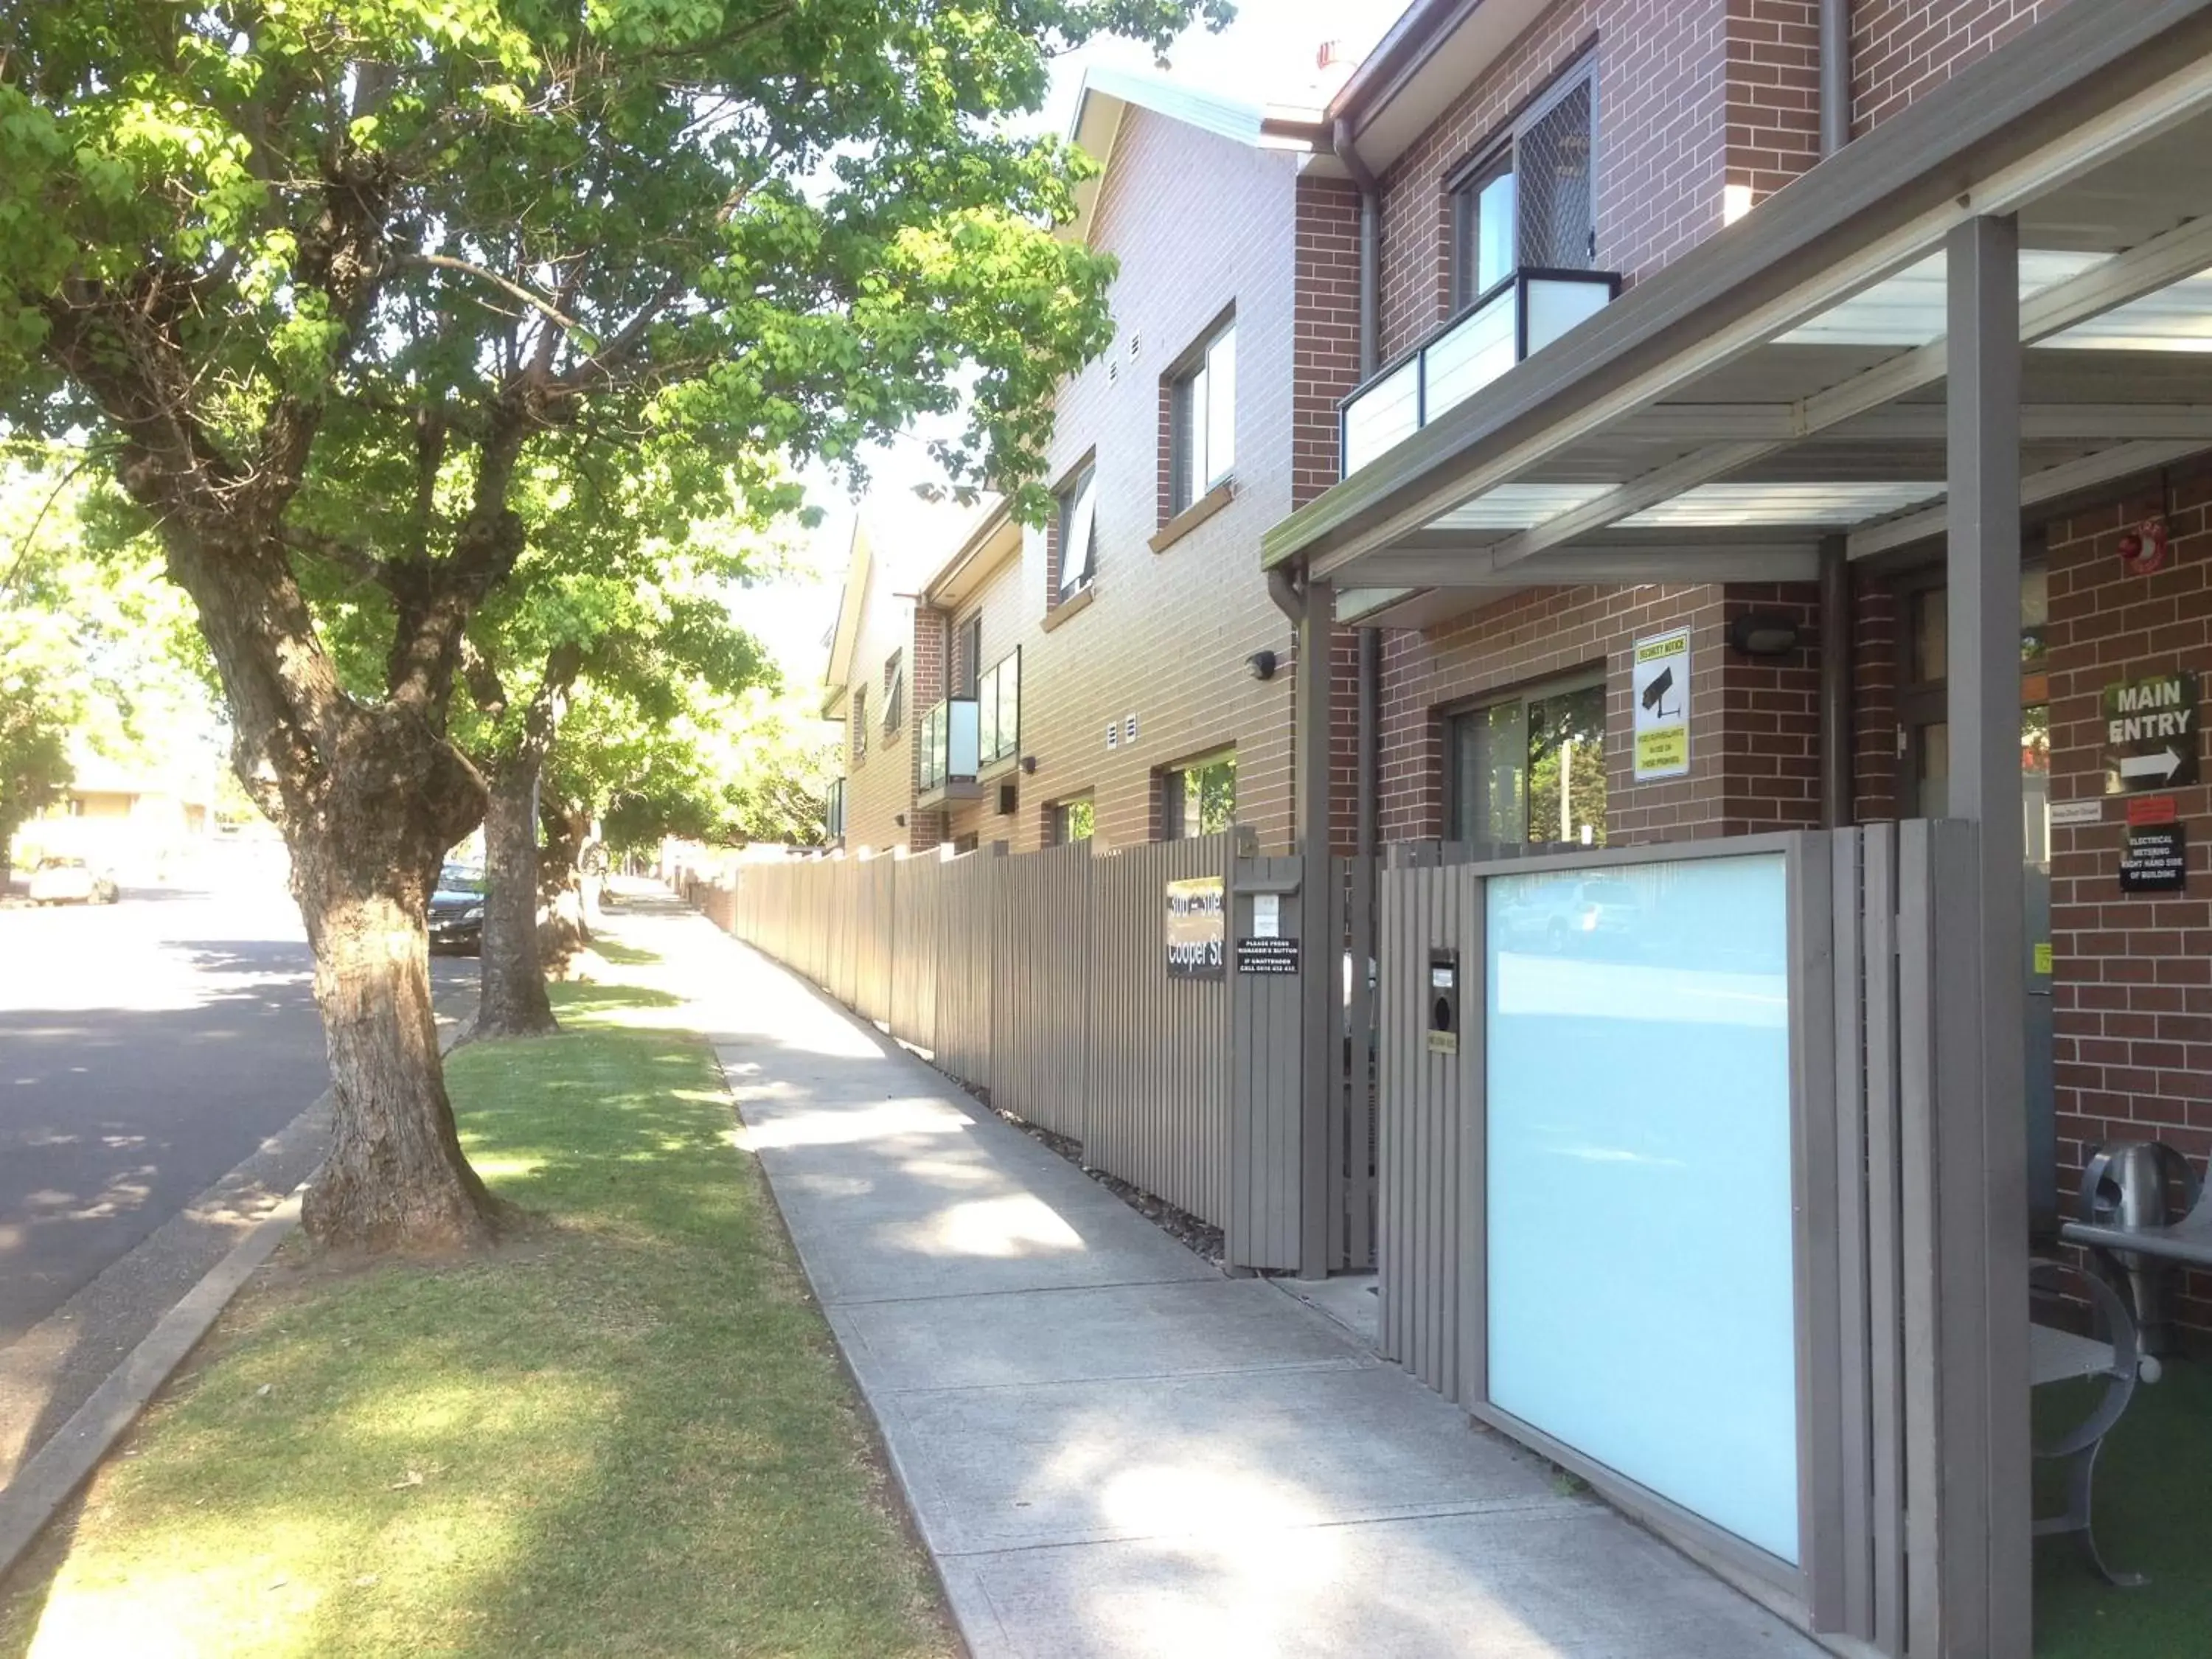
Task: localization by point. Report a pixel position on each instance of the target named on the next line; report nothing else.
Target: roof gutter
(1396, 57)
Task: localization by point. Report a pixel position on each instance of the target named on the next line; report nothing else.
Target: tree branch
(513, 290)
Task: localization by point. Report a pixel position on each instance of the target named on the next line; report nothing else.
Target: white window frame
(1202, 419)
(1079, 523)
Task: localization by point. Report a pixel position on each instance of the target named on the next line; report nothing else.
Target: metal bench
(2060, 1356)
(2186, 1242)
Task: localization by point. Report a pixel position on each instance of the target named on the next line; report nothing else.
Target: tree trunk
(567, 925)
(513, 1001)
(363, 870)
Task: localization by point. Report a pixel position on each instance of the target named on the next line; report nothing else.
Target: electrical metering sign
(2150, 733)
(1659, 700)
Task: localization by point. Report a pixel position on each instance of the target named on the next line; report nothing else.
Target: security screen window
(1079, 531)
(1204, 419)
(1199, 799)
(860, 724)
(1531, 769)
(1074, 821)
(1530, 203)
(894, 691)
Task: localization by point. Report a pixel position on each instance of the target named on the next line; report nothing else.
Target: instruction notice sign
(1266, 956)
(1659, 687)
(2150, 733)
(1196, 925)
(2156, 859)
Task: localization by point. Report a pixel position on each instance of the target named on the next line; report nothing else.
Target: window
(1079, 531)
(1530, 768)
(1202, 419)
(968, 657)
(894, 691)
(1074, 821)
(1199, 798)
(1530, 203)
(860, 724)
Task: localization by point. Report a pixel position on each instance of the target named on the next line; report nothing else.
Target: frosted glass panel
(1640, 1243)
(1388, 412)
(1471, 356)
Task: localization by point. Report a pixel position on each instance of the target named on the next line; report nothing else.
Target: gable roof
(1108, 95)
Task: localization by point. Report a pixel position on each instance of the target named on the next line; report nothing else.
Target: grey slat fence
(1041, 997)
(1894, 1292)
(1041, 982)
(1158, 1075)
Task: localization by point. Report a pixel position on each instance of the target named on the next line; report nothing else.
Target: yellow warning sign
(2043, 956)
(1659, 692)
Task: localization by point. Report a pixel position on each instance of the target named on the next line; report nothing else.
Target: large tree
(633, 606)
(327, 279)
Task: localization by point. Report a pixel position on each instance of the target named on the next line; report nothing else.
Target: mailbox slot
(1443, 1002)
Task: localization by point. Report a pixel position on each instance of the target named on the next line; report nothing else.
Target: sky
(1266, 53)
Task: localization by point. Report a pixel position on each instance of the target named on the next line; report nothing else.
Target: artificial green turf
(2154, 1514)
(624, 1431)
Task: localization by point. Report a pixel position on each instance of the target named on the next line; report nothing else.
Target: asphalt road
(146, 1048)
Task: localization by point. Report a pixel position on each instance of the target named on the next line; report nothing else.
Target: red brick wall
(1754, 726)
(1325, 368)
(1662, 114)
(1325, 363)
(2132, 975)
(926, 684)
(1773, 92)
(1903, 50)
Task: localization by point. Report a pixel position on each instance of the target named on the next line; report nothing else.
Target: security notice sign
(1196, 925)
(1659, 682)
(2150, 733)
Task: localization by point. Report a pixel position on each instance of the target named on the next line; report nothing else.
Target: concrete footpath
(1110, 1448)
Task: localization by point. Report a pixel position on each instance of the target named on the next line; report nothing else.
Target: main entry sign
(2150, 733)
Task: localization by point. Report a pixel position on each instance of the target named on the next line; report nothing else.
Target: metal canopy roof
(1785, 380)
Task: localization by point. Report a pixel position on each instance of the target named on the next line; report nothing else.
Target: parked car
(457, 911)
(71, 881)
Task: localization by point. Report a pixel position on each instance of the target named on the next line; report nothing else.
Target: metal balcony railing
(948, 744)
(1523, 312)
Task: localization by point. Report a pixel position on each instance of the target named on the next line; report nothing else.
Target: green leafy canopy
(766, 225)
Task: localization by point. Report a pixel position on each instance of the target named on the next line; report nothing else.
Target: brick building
(1211, 416)
(1852, 350)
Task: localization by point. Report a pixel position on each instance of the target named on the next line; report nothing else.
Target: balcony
(833, 811)
(948, 756)
(1524, 313)
(998, 721)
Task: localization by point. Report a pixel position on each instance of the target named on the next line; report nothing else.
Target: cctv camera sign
(1659, 685)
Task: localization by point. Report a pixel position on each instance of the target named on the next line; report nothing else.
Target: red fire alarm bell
(2142, 548)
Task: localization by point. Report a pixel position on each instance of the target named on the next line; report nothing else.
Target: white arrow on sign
(2164, 764)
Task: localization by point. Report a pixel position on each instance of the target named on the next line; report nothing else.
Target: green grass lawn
(2153, 1511)
(624, 1431)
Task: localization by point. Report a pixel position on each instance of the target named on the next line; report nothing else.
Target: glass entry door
(1926, 757)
